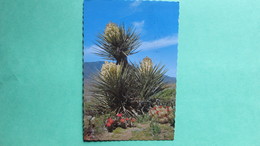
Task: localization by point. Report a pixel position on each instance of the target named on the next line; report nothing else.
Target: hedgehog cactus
(119, 121)
(162, 114)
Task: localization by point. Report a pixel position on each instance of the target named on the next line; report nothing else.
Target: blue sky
(156, 21)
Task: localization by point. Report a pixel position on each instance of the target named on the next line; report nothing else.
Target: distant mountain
(91, 68)
(169, 80)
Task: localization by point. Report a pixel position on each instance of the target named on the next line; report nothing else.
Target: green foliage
(143, 118)
(166, 96)
(154, 132)
(89, 109)
(99, 125)
(145, 134)
(166, 132)
(118, 130)
(96, 123)
(155, 128)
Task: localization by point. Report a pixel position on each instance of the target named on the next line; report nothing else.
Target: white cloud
(135, 3)
(160, 43)
(139, 26)
(90, 49)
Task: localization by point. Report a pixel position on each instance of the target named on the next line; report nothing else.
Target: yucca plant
(114, 89)
(117, 43)
(150, 80)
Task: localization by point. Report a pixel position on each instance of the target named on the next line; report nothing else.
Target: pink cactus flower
(119, 115)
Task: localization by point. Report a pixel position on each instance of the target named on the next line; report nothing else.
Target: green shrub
(167, 94)
(143, 118)
(118, 130)
(155, 128)
(142, 135)
(96, 123)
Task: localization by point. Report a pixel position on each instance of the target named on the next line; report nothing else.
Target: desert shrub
(166, 94)
(143, 118)
(144, 134)
(155, 131)
(166, 131)
(165, 97)
(89, 109)
(94, 125)
(99, 125)
(118, 130)
(155, 128)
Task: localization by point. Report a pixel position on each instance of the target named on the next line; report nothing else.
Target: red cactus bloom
(167, 107)
(160, 106)
(108, 124)
(126, 119)
(119, 115)
(157, 112)
(133, 120)
(110, 120)
(122, 120)
(154, 108)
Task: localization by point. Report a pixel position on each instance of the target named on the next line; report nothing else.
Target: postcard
(130, 63)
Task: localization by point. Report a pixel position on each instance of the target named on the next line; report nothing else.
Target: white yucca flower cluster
(111, 30)
(110, 68)
(146, 64)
